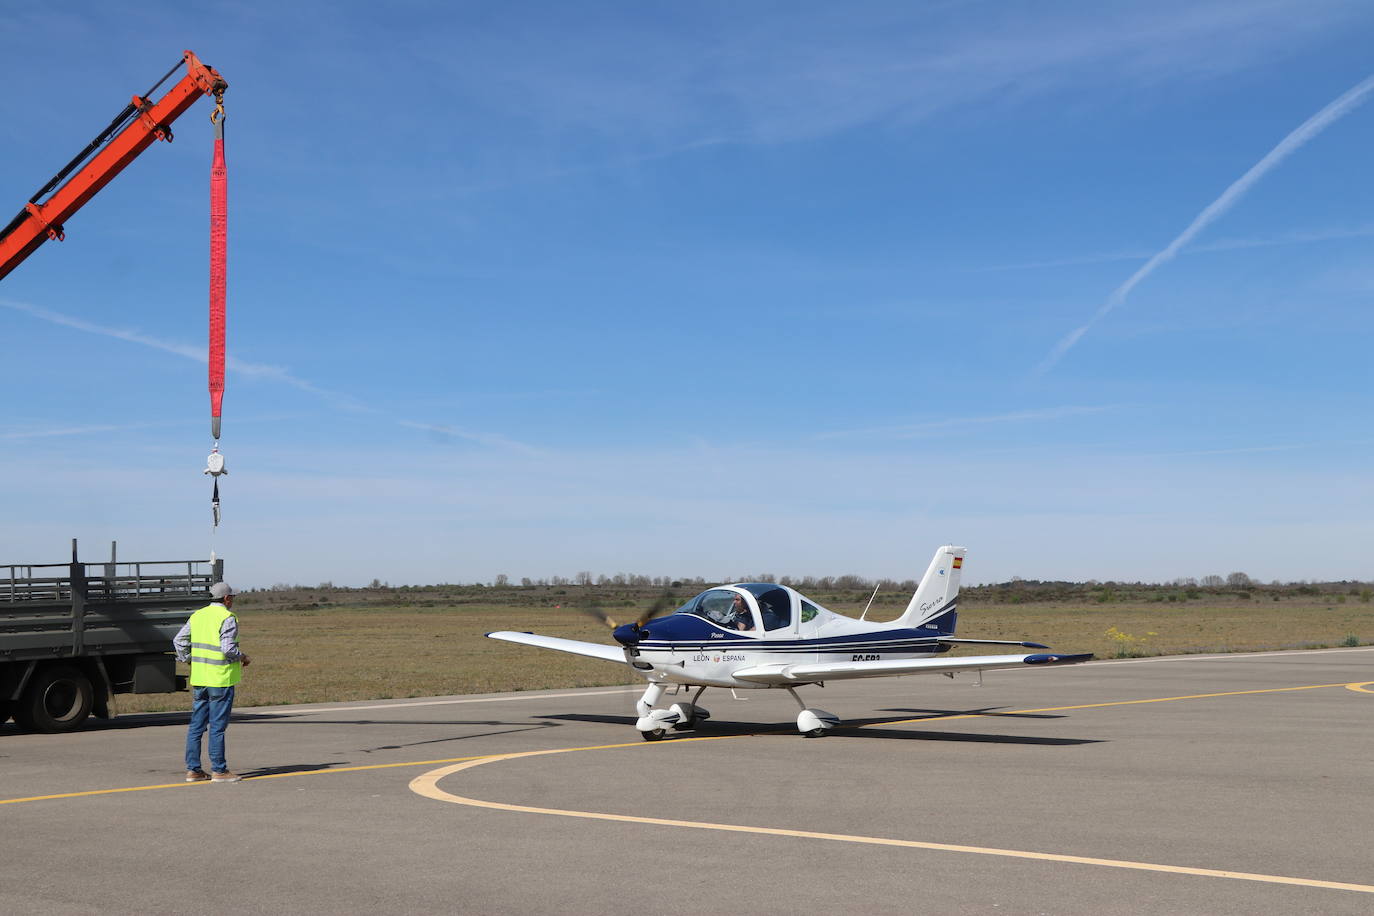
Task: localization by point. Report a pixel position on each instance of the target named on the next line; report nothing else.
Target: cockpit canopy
(749, 605)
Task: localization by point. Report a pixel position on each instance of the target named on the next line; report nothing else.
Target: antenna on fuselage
(870, 600)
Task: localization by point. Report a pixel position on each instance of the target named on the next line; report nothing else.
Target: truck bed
(75, 609)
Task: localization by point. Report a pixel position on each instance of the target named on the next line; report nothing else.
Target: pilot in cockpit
(740, 618)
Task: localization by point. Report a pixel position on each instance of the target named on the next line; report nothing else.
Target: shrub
(1125, 643)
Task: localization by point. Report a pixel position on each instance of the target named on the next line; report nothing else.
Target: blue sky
(704, 289)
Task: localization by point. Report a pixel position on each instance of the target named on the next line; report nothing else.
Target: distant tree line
(1016, 590)
(628, 580)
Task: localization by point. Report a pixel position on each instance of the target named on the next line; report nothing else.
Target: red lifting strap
(218, 216)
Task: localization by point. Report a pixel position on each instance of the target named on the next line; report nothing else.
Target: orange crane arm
(133, 131)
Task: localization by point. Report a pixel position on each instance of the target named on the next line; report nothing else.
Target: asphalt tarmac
(1216, 785)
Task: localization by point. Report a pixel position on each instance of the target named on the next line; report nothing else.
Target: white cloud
(468, 515)
(58, 431)
(809, 70)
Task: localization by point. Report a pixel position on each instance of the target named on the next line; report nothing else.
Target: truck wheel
(57, 700)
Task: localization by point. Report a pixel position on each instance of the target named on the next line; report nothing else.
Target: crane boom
(131, 132)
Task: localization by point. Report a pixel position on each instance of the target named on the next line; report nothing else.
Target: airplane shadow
(974, 737)
(505, 731)
(854, 728)
(987, 711)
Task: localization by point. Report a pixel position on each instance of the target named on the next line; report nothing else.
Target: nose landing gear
(653, 724)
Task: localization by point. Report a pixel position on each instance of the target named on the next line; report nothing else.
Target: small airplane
(762, 635)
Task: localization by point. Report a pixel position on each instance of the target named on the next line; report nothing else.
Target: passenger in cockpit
(771, 618)
(741, 619)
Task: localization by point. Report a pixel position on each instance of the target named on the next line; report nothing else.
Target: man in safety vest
(210, 642)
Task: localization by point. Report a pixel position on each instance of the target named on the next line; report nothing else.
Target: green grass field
(387, 644)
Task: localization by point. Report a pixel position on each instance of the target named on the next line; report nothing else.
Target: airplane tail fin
(935, 604)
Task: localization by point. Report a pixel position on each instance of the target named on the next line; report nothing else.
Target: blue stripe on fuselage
(685, 631)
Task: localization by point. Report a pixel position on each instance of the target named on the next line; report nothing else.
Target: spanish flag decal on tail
(958, 562)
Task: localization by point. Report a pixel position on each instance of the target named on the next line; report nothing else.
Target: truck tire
(58, 699)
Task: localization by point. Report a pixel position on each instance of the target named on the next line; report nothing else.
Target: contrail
(196, 354)
(1289, 145)
(916, 430)
(493, 440)
(251, 370)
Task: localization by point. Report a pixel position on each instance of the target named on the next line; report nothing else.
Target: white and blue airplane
(754, 635)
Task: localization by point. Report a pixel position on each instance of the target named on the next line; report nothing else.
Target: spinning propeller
(629, 634)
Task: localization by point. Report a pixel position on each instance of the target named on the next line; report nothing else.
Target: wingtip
(1057, 659)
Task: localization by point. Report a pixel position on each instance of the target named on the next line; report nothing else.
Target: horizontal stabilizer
(834, 671)
(573, 646)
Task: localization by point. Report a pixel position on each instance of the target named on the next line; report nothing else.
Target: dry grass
(314, 656)
(1174, 629)
(377, 651)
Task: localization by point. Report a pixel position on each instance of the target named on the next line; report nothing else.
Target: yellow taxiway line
(1359, 686)
(187, 785)
(1195, 696)
(427, 785)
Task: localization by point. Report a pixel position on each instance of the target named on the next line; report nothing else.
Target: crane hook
(219, 107)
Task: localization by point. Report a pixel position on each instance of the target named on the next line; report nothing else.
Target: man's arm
(181, 643)
(229, 639)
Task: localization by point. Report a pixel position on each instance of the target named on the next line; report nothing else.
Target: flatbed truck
(72, 635)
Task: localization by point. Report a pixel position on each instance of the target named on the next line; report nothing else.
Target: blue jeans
(211, 708)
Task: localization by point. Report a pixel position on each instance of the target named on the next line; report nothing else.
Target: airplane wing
(576, 647)
(833, 671)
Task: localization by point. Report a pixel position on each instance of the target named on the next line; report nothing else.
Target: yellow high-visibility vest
(209, 667)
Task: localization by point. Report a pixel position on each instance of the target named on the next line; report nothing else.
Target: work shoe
(226, 776)
(197, 775)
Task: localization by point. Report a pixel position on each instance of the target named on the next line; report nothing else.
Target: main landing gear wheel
(655, 735)
(813, 722)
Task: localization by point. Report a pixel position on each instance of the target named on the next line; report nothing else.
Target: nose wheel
(654, 724)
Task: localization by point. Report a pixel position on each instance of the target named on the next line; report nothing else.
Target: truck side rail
(53, 582)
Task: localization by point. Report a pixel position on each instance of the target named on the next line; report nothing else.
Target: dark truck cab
(74, 634)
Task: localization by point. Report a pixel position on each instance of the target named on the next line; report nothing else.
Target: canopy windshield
(742, 607)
